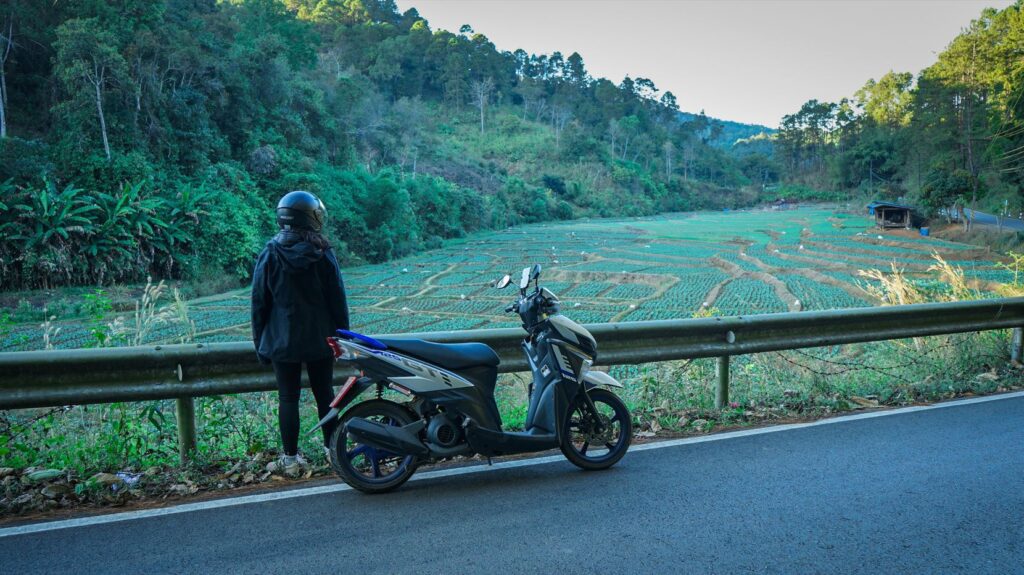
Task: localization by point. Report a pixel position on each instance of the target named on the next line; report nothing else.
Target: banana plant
(55, 215)
(9, 225)
(10, 234)
(109, 246)
(143, 220)
(183, 213)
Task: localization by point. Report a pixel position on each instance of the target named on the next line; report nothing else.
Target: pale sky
(748, 61)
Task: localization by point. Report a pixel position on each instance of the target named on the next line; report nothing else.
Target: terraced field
(611, 270)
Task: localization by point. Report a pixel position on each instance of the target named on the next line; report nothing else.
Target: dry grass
(894, 288)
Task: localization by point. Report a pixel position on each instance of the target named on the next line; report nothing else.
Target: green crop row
(629, 291)
(586, 289)
(747, 296)
(609, 266)
(819, 296)
(689, 293)
(645, 313)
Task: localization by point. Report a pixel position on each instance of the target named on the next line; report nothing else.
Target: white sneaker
(290, 465)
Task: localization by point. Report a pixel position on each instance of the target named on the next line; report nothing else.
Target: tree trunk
(969, 109)
(3, 103)
(968, 131)
(98, 83)
(974, 203)
(3, 77)
(138, 95)
(482, 117)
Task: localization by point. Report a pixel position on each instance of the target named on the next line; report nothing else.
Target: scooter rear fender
(352, 389)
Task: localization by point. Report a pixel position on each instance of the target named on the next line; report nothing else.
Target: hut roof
(877, 204)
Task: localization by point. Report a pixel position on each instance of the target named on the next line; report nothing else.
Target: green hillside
(153, 138)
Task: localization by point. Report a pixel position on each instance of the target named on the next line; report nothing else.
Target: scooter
(378, 444)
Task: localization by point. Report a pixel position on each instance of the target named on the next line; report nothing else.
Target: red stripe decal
(344, 390)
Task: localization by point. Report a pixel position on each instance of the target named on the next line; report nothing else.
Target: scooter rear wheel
(364, 467)
(587, 446)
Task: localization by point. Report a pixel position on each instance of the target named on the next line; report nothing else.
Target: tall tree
(482, 90)
(668, 150)
(888, 101)
(575, 73)
(88, 61)
(6, 47)
(560, 116)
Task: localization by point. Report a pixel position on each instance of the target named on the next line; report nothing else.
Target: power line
(1015, 153)
(998, 134)
(1008, 134)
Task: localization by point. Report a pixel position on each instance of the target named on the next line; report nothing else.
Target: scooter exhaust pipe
(400, 440)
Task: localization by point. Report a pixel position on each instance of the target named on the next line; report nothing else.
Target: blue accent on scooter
(364, 339)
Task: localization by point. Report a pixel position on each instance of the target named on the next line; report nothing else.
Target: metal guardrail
(183, 372)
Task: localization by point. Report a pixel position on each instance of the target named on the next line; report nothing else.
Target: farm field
(666, 267)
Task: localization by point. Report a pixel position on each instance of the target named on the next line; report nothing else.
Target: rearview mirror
(525, 281)
(535, 272)
(503, 282)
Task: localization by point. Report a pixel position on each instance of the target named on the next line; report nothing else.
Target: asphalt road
(933, 491)
(991, 220)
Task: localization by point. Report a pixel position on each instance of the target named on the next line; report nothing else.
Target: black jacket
(298, 299)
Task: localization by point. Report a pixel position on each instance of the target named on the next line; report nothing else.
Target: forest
(951, 136)
(153, 138)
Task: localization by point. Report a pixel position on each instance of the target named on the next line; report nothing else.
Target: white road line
(308, 491)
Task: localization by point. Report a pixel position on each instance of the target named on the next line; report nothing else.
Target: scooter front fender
(594, 379)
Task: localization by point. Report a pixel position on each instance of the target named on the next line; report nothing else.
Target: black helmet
(300, 210)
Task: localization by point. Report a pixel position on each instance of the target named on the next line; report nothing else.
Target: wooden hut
(890, 215)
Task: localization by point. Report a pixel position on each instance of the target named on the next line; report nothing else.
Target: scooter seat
(448, 355)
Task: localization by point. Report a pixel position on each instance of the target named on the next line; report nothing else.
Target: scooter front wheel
(598, 440)
(364, 467)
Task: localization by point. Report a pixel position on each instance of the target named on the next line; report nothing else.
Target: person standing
(298, 300)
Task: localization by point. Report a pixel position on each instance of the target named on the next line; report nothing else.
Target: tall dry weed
(147, 317)
(953, 276)
(181, 316)
(893, 288)
(50, 330)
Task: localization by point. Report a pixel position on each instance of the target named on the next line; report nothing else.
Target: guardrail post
(186, 412)
(1017, 345)
(722, 393)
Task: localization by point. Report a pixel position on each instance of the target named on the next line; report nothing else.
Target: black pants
(289, 385)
